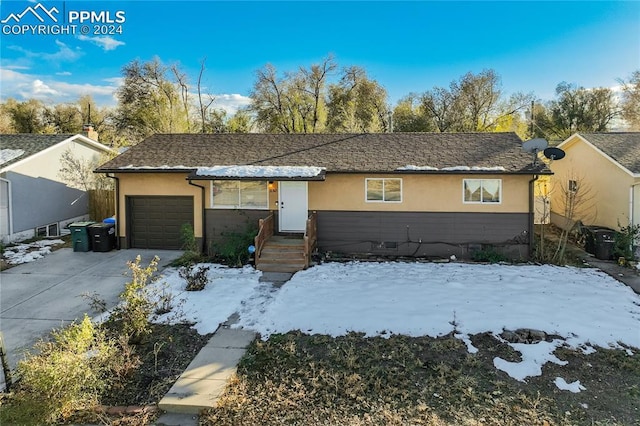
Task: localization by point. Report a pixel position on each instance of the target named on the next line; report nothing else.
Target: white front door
(293, 211)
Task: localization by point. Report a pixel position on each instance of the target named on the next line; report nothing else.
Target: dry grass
(296, 379)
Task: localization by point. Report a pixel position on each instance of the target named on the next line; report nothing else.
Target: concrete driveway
(39, 296)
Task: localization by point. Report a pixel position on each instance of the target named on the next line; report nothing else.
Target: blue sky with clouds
(406, 46)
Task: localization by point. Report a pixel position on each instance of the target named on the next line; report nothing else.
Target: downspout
(9, 207)
(531, 214)
(204, 216)
(117, 179)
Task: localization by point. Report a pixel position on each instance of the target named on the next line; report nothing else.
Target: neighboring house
(601, 171)
(394, 194)
(34, 201)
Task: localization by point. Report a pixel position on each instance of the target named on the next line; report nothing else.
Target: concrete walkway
(624, 274)
(205, 378)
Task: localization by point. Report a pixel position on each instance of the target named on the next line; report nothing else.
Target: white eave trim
(570, 141)
(75, 138)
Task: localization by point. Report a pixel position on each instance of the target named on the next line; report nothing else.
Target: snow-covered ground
(585, 307)
(28, 252)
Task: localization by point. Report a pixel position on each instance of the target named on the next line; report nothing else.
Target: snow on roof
(410, 167)
(163, 167)
(260, 171)
(7, 155)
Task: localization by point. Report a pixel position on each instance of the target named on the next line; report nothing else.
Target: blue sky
(406, 46)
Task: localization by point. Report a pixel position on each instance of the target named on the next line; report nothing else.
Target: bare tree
(294, 103)
(203, 104)
(630, 103)
(576, 200)
(357, 104)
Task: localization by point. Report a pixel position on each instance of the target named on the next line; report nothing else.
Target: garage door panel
(156, 221)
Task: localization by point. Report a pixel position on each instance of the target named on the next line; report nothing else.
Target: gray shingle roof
(624, 147)
(371, 152)
(29, 143)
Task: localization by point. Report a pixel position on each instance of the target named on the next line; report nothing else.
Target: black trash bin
(590, 239)
(80, 236)
(605, 241)
(103, 236)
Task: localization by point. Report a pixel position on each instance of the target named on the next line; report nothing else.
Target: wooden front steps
(282, 254)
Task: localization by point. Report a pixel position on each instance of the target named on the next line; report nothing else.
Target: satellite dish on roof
(553, 153)
(535, 145)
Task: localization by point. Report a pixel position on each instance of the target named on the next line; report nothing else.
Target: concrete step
(280, 267)
(282, 255)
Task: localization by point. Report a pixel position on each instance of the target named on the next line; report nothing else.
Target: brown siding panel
(422, 233)
(219, 221)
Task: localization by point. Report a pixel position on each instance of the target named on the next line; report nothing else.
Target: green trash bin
(80, 236)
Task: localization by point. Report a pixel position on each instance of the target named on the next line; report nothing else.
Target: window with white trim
(239, 194)
(383, 190)
(48, 230)
(482, 190)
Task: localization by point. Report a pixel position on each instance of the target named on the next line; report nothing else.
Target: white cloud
(231, 102)
(39, 89)
(16, 67)
(105, 42)
(24, 86)
(64, 53)
(63, 73)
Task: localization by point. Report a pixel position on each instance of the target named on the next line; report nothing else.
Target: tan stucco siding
(420, 193)
(603, 186)
(166, 184)
(344, 192)
(47, 164)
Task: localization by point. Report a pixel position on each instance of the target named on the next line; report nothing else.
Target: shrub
(189, 258)
(69, 373)
(188, 238)
(488, 254)
(625, 241)
(137, 301)
(196, 277)
(232, 250)
(192, 254)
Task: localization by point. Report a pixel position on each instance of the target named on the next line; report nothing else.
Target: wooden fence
(102, 204)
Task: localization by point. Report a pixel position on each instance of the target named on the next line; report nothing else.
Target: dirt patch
(165, 354)
(353, 380)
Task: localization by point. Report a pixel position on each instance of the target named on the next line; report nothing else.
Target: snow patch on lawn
(228, 289)
(28, 252)
(574, 387)
(584, 307)
(534, 356)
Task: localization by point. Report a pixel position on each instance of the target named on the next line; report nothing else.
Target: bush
(232, 250)
(189, 258)
(192, 254)
(488, 254)
(137, 301)
(196, 277)
(67, 374)
(625, 241)
(188, 238)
